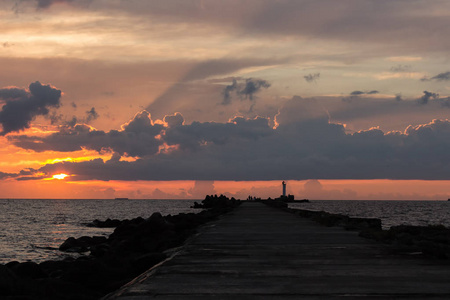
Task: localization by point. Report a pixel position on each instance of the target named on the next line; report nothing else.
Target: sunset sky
(344, 99)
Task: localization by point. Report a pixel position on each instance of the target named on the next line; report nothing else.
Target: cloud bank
(301, 146)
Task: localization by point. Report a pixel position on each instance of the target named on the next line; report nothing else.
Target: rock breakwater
(135, 246)
(425, 241)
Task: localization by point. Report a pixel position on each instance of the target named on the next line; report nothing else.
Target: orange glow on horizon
(186, 189)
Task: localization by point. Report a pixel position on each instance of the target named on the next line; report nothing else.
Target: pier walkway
(259, 252)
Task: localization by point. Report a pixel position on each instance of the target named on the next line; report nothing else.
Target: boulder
(28, 270)
(81, 244)
(8, 281)
(108, 223)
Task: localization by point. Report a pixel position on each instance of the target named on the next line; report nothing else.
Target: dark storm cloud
(312, 77)
(21, 106)
(427, 96)
(439, 77)
(245, 90)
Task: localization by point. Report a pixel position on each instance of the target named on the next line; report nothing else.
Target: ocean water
(31, 230)
(391, 213)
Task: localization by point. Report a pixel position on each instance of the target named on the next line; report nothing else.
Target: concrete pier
(259, 252)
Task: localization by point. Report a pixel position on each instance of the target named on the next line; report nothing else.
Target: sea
(33, 229)
(391, 212)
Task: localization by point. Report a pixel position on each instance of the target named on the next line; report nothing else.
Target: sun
(60, 176)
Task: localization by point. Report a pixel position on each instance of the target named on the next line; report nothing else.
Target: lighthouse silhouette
(284, 197)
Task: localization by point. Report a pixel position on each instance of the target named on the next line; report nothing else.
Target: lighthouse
(284, 197)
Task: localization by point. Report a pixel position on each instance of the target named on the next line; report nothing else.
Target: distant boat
(121, 199)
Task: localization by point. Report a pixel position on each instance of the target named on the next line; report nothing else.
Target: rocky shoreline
(431, 241)
(135, 246)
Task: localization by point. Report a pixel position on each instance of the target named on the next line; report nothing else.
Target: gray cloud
(45, 3)
(427, 96)
(174, 120)
(54, 117)
(390, 113)
(252, 86)
(312, 77)
(400, 68)
(408, 27)
(21, 106)
(293, 151)
(439, 77)
(6, 175)
(137, 138)
(357, 93)
(91, 115)
(245, 90)
(227, 92)
(48, 3)
(173, 100)
(72, 122)
(197, 135)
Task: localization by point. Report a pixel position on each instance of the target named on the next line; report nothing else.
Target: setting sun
(60, 176)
